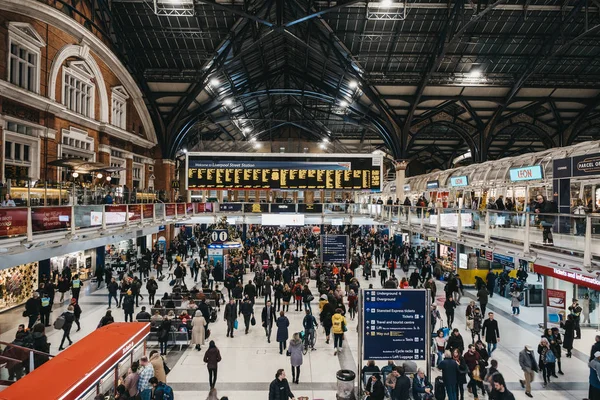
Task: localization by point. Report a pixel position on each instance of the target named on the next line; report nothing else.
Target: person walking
(282, 330)
(338, 326)
(546, 207)
(309, 323)
(198, 330)
(151, 287)
(295, 352)
(33, 308)
(450, 306)
(472, 358)
(515, 301)
(530, 368)
(500, 392)
(279, 389)
(491, 333)
(76, 285)
(547, 361)
(450, 374)
(158, 365)
(45, 306)
(212, 358)
(482, 296)
(113, 287)
(146, 373)
(106, 320)
(164, 333)
(594, 377)
(69, 318)
(569, 327)
(76, 312)
(247, 312)
(230, 316)
(268, 318)
(128, 306)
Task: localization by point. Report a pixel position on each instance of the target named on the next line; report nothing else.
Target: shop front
(80, 262)
(17, 284)
(576, 285)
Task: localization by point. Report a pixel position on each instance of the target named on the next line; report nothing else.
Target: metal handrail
(26, 349)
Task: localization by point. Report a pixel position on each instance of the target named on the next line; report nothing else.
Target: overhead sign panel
(289, 171)
(395, 324)
(530, 173)
(459, 181)
(433, 184)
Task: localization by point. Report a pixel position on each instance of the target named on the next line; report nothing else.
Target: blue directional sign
(335, 248)
(395, 324)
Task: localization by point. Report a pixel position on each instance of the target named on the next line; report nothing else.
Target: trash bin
(345, 384)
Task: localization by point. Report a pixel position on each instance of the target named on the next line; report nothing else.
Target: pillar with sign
(400, 167)
(219, 251)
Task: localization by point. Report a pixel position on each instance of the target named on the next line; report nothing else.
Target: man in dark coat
(450, 373)
(250, 291)
(268, 317)
(543, 206)
(482, 296)
(279, 389)
(230, 316)
(491, 282)
(247, 312)
(32, 309)
(401, 389)
(491, 333)
(69, 319)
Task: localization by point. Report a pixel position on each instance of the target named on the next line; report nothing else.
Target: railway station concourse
(168, 167)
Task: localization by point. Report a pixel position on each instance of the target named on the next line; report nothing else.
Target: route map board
(335, 249)
(395, 324)
(289, 171)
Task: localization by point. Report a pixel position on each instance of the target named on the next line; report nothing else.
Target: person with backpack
(67, 322)
(547, 361)
(162, 391)
(151, 287)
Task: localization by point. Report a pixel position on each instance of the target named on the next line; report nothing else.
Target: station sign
(394, 324)
(459, 181)
(585, 165)
(433, 184)
(530, 173)
(569, 276)
(335, 249)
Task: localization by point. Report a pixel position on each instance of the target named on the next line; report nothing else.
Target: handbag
(344, 327)
(310, 298)
(470, 324)
(253, 321)
(207, 335)
(287, 353)
(166, 367)
(235, 324)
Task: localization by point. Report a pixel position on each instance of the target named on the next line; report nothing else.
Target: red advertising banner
(189, 207)
(135, 212)
(203, 207)
(148, 211)
(13, 221)
(180, 209)
(170, 210)
(116, 208)
(569, 276)
(556, 298)
(50, 218)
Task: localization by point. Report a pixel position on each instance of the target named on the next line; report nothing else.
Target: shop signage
(556, 302)
(148, 211)
(506, 261)
(585, 165)
(13, 221)
(310, 208)
(459, 181)
(230, 207)
(562, 168)
(170, 210)
(283, 208)
(258, 208)
(135, 212)
(50, 218)
(395, 324)
(433, 184)
(160, 229)
(180, 209)
(569, 276)
(531, 173)
(484, 254)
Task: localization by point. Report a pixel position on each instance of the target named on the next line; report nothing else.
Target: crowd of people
(279, 266)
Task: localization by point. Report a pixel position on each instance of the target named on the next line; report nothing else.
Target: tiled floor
(249, 362)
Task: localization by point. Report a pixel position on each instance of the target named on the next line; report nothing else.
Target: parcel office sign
(585, 165)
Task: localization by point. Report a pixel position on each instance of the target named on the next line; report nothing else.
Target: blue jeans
(491, 347)
(516, 310)
(110, 297)
(451, 392)
(307, 307)
(440, 357)
(146, 394)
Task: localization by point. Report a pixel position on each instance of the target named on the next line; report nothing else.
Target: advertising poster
(148, 210)
(180, 209)
(556, 302)
(170, 210)
(45, 219)
(135, 212)
(13, 222)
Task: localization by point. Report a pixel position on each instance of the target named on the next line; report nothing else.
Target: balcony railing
(577, 234)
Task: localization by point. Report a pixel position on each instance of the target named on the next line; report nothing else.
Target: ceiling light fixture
(184, 151)
(247, 129)
(108, 178)
(323, 146)
(353, 84)
(214, 82)
(253, 139)
(75, 174)
(257, 145)
(325, 140)
(385, 3)
(227, 102)
(475, 73)
(99, 176)
(343, 103)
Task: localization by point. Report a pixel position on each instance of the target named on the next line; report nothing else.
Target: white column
(400, 166)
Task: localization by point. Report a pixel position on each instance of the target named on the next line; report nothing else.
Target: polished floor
(249, 362)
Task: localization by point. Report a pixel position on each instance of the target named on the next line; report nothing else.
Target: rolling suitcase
(438, 389)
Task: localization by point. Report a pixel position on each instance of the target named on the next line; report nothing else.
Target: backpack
(165, 390)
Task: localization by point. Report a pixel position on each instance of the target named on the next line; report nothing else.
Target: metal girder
(240, 13)
(443, 45)
(316, 14)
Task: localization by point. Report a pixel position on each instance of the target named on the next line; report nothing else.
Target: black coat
(282, 329)
(230, 312)
(32, 307)
(268, 319)
(250, 291)
(569, 327)
(449, 369)
(280, 390)
(402, 389)
(455, 342)
(69, 319)
(376, 390)
(491, 331)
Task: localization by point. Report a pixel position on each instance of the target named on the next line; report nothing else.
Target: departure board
(288, 172)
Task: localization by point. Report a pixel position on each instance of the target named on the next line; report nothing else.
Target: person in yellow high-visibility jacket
(338, 327)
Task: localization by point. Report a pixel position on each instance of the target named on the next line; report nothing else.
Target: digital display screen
(291, 171)
(458, 181)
